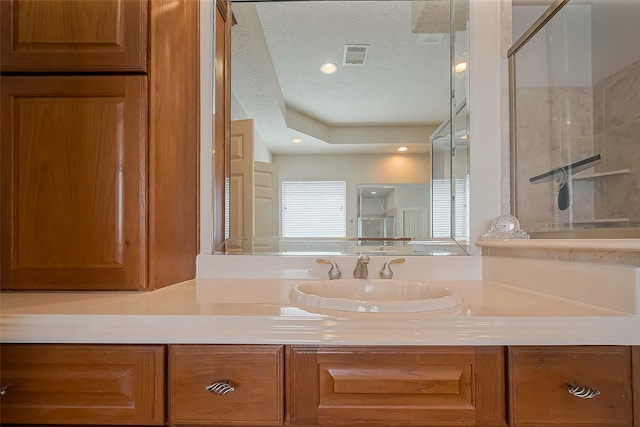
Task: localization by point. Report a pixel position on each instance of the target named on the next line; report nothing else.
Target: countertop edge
(158, 329)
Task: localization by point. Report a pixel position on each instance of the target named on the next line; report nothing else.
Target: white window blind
(314, 208)
(461, 232)
(441, 195)
(442, 208)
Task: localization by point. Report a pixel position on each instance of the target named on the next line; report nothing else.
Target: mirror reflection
(331, 98)
(399, 212)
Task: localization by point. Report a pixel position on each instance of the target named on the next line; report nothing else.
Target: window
(314, 208)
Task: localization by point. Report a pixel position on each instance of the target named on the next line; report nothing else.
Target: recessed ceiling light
(329, 68)
(296, 140)
(403, 149)
(460, 67)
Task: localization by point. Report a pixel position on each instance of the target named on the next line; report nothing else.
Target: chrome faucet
(334, 271)
(386, 272)
(361, 271)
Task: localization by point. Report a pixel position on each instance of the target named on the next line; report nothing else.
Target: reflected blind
(441, 195)
(462, 209)
(314, 208)
(442, 208)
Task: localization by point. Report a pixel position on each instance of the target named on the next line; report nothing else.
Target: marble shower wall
(561, 125)
(616, 129)
(553, 129)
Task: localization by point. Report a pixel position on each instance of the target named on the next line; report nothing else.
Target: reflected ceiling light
(460, 67)
(296, 140)
(401, 149)
(374, 192)
(329, 68)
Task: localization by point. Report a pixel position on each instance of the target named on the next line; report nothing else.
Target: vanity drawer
(428, 386)
(254, 371)
(539, 378)
(82, 384)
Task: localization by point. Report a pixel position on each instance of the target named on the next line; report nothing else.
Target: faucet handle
(334, 271)
(386, 272)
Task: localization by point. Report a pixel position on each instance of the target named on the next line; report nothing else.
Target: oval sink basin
(374, 295)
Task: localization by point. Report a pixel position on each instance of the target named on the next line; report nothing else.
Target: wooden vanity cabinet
(72, 167)
(98, 171)
(540, 379)
(396, 386)
(82, 384)
(226, 385)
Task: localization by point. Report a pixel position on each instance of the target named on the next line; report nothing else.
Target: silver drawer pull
(220, 387)
(582, 392)
(4, 388)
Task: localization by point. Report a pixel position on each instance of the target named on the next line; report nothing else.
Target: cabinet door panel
(74, 35)
(73, 182)
(255, 371)
(539, 378)
(82, 384)
(434, 386)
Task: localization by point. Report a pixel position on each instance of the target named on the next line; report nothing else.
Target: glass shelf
(601, 174)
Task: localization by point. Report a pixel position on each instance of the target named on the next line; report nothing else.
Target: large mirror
(329, 98)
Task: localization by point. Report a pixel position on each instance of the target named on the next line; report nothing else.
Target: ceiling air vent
(355, 54)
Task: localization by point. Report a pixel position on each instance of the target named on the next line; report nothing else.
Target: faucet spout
(361, 271)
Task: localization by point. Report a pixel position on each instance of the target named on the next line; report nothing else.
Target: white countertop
(258, 311)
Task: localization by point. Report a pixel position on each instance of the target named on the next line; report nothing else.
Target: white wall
(487, 65)
(356, 169)
(560, 53)
(615, 36)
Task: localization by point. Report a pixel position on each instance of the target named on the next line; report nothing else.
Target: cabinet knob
(583, 392)
(4, 388)
(220, 387)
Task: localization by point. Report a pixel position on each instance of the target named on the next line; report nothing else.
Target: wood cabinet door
(82, 384)
(540, 377)
(197, 393)
(396, 386)
(73, 185)
(73, 35)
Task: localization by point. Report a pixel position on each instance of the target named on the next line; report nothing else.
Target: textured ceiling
(398, 96)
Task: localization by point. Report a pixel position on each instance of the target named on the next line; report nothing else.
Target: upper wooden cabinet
(73, 187)
(99, 171)
(73, 35)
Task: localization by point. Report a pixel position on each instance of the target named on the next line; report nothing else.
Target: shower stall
(575, 120)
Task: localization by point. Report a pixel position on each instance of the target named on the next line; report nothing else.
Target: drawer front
(82, 384)
(397, 386)
(255, 372)
(540, 377)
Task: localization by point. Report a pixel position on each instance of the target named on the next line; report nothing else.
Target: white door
(266, 206)
(241, 193)
(415, 223)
